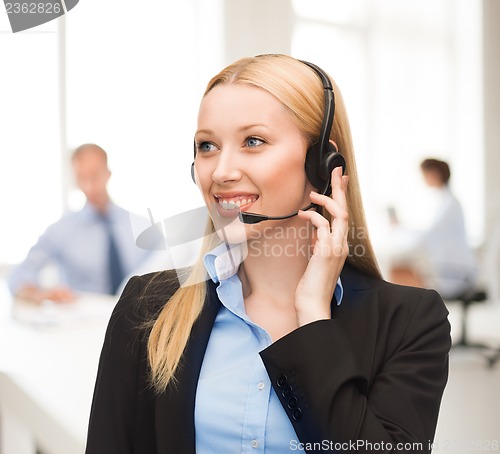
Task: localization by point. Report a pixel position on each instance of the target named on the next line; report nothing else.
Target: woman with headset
(283, 337)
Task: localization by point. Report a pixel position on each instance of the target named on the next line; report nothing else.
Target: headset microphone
(321, 158)
(255, 218)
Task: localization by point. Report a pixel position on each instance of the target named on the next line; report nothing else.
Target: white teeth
(227, 204)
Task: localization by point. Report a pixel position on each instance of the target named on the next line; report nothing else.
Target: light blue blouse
(237, 410)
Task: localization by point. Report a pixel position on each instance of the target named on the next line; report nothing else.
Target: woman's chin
(230, 229)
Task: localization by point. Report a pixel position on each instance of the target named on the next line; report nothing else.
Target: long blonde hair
(298, 88)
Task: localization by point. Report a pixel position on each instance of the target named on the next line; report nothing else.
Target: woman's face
(250, 155)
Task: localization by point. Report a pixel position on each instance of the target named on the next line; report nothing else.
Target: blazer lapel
(359, 313)
(175, 407)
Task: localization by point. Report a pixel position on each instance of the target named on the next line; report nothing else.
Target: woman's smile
(229, 205)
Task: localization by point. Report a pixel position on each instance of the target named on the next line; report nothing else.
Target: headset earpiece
(192, 173)
(333, 159)
(319, 173)
(192, 165)
(312, 166)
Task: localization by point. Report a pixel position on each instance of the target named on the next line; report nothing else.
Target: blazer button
(287, 391)
(297, 414)
(282, 381)
(293, 402)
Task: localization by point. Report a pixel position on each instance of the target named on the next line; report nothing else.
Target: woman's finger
(321, 223)
(328, 242)
(339, 183)
(337, 209)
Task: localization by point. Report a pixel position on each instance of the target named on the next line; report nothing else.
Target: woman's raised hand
(315, 289)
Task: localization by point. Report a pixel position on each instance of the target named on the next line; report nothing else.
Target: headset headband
(328, 114)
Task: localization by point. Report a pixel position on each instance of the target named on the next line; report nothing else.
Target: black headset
(321, 158)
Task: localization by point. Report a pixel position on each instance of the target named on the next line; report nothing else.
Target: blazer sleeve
(122, 404)
(392, 408)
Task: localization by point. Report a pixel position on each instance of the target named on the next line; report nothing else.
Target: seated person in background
(93, 249)
(438, 257)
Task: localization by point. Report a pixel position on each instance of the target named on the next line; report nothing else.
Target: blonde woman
(284, 336)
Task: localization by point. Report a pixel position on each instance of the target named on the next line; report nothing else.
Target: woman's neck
(276, 262)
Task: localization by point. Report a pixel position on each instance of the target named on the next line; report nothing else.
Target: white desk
(48, 365)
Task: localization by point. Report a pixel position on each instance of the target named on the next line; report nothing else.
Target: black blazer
(374, 373)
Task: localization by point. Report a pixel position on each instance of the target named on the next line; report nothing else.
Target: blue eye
(253, 142)
(205, 147)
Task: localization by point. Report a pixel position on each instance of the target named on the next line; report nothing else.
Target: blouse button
(255, 444)
(261, 385)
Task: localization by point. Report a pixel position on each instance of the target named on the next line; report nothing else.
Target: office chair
(467, 299)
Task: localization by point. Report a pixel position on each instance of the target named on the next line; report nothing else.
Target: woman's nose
(227, 169)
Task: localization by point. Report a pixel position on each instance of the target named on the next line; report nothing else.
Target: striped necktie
(115, 267)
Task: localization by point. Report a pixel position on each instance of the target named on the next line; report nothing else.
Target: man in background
(93, 249)
(438, 257)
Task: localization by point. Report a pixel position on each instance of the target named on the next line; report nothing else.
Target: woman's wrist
(312, 314)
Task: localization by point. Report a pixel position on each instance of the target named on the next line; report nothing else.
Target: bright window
(30, 168)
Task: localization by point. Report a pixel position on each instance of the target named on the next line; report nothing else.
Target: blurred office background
(420, 78)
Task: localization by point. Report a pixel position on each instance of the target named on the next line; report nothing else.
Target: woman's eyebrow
(240, 129)
(257, 125)
(203, 131)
